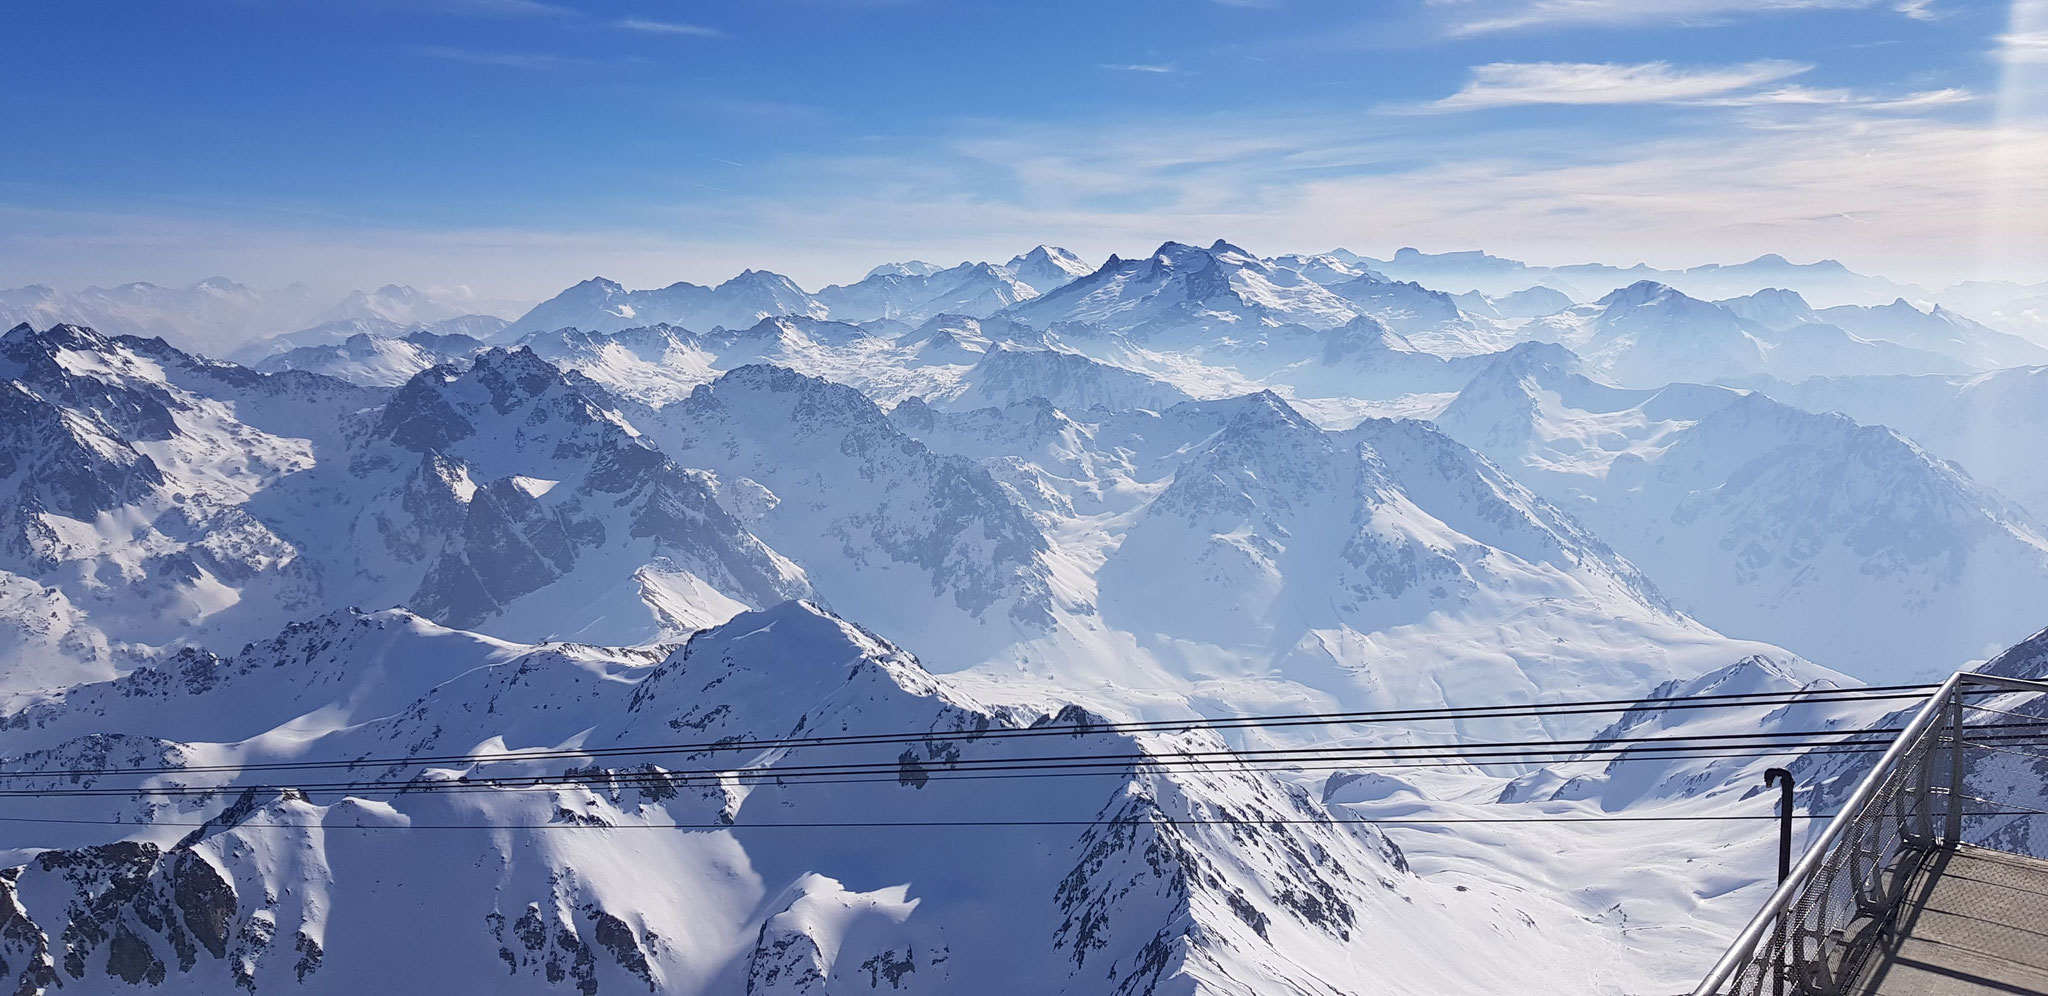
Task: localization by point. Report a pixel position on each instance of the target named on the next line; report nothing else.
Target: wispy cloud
(1163, 68)
(2023, 46)
(532, 61)
(1539, 13)
(1837, 97)
(653, 27)
(1502, 84)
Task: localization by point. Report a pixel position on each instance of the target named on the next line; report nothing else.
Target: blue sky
(518, 145)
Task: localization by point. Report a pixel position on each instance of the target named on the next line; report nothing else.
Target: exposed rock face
(827, 940)
(174, 500)
(562, 945)
(524, 478)
(65, 434)
(1175, 882)
(129, 911)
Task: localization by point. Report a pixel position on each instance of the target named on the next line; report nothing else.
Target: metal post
(1782, 963)
(1783, 779)
(1922, 831)
(1954, 831)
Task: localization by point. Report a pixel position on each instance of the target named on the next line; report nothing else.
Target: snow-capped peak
(1772, 308)
(1639, 294)
(908, 268)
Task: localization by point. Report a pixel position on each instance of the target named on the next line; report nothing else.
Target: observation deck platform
(1972, 922)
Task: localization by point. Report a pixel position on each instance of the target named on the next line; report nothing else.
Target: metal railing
(1813, 933)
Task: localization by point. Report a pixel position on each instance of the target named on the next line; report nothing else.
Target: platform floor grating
(1973, 923)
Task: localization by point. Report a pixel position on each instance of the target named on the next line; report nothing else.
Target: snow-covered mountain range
(220, 317)
(969, 516)
(1473, 270)
(1990, 424)
(1648, 334)
(912, 293)
(1764, 519)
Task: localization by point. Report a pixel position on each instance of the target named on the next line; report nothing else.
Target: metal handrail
(1794, 887)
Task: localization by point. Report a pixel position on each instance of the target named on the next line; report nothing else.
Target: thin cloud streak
(654, 27)
(1503, 84)
(1619, 13)
(534, 62)
(1835, 97)
(2024, 46)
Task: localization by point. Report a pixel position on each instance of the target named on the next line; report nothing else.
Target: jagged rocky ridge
(274, 891)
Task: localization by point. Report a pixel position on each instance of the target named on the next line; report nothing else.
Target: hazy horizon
(516, 147)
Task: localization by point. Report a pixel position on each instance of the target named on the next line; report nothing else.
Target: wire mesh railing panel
(2007, 778)
(1925, 793)
(1818, 934)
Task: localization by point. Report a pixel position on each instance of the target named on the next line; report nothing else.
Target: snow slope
(129, 467)
(376, 361)
(1005, 375)
(339, 331)
(1234, 554)
(1529, 302)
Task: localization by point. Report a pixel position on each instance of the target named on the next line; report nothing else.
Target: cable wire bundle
(906, 769)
